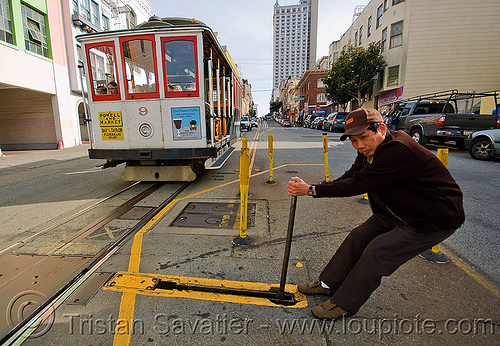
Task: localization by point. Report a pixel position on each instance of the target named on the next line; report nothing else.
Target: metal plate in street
(213, 215)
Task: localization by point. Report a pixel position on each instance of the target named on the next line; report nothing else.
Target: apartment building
(429, 45)
(286, 96)
(294, 40)
(39, 66)
(312, 94)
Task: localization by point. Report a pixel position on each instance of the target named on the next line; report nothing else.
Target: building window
(131, 19)
(392, 78)
(356, 39)
(369, 26)
(85, 10)
(94, 11)
(396, 34)
(384, 39)
(360, 34)
(320, 83)
(335, 57)
(320, 98)
(386, 5)
(35, 31)
(380, 12)
(105, 23)
(394, 2)
(5, 22)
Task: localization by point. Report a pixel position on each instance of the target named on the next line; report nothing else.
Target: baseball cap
(359, 120)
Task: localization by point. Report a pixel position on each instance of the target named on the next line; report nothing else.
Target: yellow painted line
(127, 304)
(141, 283)
(253, 152)
(473, 274)
(126, 316)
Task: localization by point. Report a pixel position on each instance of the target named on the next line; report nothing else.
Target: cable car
(164, 98)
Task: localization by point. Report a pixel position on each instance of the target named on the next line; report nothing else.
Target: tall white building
(295, 39)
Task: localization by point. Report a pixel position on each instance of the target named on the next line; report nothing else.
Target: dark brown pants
(374, 249)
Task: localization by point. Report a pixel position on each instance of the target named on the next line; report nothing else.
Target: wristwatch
(310, 192)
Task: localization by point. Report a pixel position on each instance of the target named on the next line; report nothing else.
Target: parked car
(286, 123)
(442, 117)
(254, 122)
(484, 145)
(245, 123)
(335, 121)
(309, 119)
(317, 123)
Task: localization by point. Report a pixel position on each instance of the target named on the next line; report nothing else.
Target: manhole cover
(213, 215)
(213, 220)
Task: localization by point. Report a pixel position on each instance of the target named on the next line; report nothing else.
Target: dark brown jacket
(408, 179)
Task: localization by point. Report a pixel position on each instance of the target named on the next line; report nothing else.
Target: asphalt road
(40, 189)
(477, 242)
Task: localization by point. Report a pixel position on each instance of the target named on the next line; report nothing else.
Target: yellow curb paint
(474, 274)
(140, 283)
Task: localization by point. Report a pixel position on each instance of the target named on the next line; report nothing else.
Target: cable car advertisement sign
(186, 123)
(111, 126)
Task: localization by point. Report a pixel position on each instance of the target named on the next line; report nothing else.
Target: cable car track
(86, 265)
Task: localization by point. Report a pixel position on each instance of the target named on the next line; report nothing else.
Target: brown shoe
(312, 288)
(328, 310)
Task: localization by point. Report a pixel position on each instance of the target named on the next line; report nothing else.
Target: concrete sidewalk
(29, 157)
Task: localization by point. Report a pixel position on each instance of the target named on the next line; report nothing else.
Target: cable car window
(180, 66)
(103, 76)
(140, 68)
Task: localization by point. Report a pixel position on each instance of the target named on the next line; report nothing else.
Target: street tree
(275, 106)
(352, 76)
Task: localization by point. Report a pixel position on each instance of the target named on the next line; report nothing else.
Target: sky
(246, 28)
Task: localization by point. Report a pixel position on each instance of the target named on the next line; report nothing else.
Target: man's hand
(297, 187)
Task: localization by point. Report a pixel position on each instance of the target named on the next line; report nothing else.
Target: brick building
(312, 90)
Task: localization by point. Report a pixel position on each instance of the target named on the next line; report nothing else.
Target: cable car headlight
(146, 130)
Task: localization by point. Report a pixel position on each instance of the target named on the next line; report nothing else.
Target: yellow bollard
(436, 248)
(434, 254)
(271, 153)
(442, 155)
(364, 199)
(243, 239)
(325, 156)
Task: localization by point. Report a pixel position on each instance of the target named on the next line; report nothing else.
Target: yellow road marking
(109, 232)
(126, 313)
(133, 283)
(473, 274)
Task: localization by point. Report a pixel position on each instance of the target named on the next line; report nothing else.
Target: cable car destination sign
(111, 126)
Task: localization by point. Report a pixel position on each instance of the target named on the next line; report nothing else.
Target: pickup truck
(442, 117)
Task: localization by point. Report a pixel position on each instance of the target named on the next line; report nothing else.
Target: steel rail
(23, 330)
(70, 218)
